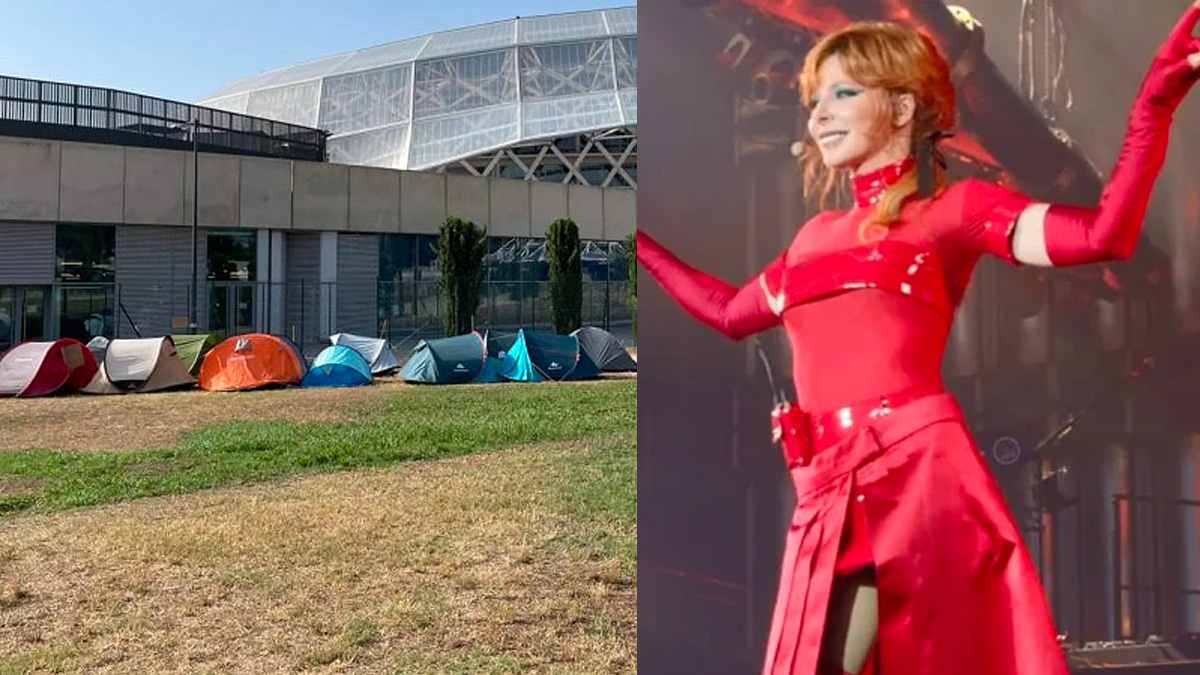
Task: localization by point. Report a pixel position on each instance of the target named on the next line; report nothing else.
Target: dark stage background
(1111, 522)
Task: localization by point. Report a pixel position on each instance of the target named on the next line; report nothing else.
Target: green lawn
(415, 423)
(509, 547)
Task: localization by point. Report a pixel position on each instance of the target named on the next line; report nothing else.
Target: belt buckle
(789, 429)
(882, 410)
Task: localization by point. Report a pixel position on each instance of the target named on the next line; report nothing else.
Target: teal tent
(560, 357)
(533, 357)
(513, 358)
(461, 359)
(338, 366)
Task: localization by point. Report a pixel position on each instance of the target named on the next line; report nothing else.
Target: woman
(901, 554)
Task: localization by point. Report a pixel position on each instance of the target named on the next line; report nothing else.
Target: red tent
(40, 368)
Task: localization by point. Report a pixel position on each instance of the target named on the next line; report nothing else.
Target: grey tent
(98, 345)
(140, 365)
(375, 351)
(605, 349)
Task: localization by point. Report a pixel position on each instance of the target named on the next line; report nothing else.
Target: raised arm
(736, 313)
(1058, 235)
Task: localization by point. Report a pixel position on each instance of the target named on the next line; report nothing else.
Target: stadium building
(321, 187)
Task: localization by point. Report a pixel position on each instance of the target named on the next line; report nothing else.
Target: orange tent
(251, 361)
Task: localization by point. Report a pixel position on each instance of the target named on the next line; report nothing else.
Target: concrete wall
(93, 183)
(61, 181)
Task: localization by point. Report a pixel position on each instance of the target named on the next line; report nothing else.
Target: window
(86, 253)
(396, 256)
(232, 255)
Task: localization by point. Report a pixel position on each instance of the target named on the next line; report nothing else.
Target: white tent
(139, 365)
(375, 351)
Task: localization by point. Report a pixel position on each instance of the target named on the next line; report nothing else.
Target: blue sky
(183, 51)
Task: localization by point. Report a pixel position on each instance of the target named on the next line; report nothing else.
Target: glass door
(231, 309)
(33, 310)
(8, 324)
(23, 314)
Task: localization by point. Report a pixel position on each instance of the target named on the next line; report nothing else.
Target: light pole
(193, 303)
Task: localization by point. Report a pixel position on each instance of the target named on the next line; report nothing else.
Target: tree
(566, 275)
(460, 248)
(631, 259)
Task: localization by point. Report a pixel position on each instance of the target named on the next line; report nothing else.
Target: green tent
(192, 348)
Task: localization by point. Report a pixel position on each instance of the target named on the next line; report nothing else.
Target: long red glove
(736, 313)
(1075, 235)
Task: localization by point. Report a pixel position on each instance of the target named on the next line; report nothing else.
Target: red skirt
(958, 592)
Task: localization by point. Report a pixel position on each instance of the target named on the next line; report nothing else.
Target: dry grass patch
(15, 486)
(467, 565)
(142, 421)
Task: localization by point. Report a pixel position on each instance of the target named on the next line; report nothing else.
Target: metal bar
(1156, 570)
(193, 317)
(1079, 571)
(1118, 570)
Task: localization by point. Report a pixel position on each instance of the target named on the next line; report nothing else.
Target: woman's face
(854, 126)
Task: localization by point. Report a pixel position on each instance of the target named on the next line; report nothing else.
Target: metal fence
(306, 312)
(1142, 596)
(109, 115)
(413, 310)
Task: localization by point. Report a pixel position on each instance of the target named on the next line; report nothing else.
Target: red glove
(1075, 235)
(735, 313)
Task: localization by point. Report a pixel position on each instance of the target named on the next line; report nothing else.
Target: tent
(139, 365)
(251, 361)
(499, 344)
(376, 352)
(98, 345)
(460, 359)
(40, 368)
(192, 348)
(605, 350)
(512, 357)
(338, 366)
(559, 357)
(533, 356)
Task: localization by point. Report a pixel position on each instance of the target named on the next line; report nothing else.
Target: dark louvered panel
(26, 253)
(304, 290)
(357, 288)
(153, 271)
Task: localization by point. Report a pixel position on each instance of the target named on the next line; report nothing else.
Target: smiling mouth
(831, 137)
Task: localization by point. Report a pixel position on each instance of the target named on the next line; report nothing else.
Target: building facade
(547, 98)
(97, 239)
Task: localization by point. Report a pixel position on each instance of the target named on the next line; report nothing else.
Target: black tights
(853, 623)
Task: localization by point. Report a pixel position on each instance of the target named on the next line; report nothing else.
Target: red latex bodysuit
(837, 297)
(895, 480)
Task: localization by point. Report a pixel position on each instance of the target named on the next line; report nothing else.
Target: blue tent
(461, 359)
(533, 357)
(338, 366)
(513, 358)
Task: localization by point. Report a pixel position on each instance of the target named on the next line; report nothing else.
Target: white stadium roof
(427, 101)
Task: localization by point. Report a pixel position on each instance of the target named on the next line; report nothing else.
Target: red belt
(802, 435)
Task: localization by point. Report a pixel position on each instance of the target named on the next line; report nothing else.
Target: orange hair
(899, 59)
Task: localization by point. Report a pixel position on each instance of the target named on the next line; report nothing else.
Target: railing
(1127, 597)
(108, 115)
(305, 311)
